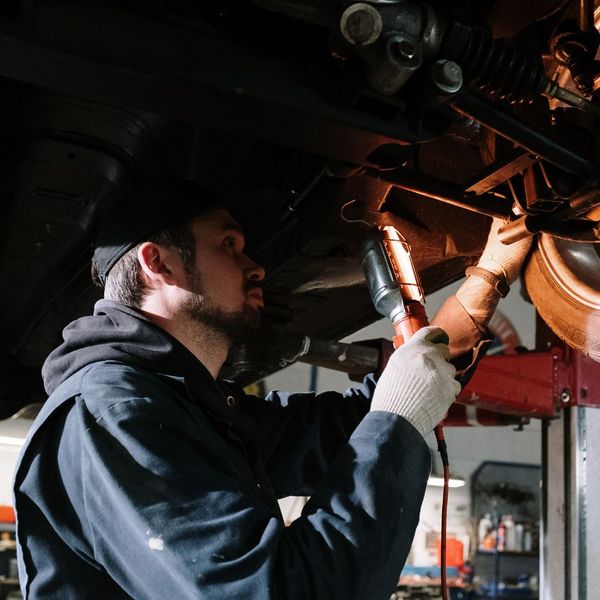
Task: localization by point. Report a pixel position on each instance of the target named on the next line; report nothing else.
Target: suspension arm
(514, 129)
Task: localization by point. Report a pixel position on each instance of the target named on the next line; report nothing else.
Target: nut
(361, 24)
(447, 76)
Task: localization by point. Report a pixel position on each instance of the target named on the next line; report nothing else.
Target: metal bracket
(534, 384)
(501, 171)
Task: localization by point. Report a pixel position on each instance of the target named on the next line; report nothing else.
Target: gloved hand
(418, 382)
(478, 296)
(503, 259)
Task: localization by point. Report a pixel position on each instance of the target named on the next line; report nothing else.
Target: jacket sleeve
(171, 517)
(301, 433)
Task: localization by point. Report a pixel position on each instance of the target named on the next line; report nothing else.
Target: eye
(230, 242)
(233, 241)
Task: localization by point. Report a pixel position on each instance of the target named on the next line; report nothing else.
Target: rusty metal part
(501, 171)
(574, 46)
(585, 18)
(443, 191)
(511, 127)
(576, 230)
(564, 222)
(553, 90)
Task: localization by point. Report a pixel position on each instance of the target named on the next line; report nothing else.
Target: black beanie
(151, 207)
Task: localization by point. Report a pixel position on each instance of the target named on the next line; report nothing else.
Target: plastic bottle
(501, 538)
(510, 533)
(528, 539)
(485, 526)
(519, 535)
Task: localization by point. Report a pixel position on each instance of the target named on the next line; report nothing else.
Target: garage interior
(316, 129)
(541, 470)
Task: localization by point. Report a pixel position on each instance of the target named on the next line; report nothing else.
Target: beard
(235, 326)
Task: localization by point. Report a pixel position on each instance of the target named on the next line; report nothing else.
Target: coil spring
(502, 69)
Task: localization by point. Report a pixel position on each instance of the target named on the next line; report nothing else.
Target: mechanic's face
(224, 290)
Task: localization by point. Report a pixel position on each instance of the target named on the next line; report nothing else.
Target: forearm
(301, 434)
(466, 315)
(359, 524)
(463, 331)
(488, 282)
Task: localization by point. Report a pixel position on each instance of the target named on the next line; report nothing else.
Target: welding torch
(397, 294)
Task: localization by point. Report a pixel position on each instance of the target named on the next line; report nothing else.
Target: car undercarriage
(315, 119)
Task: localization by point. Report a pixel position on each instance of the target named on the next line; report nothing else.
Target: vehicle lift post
(562, 386)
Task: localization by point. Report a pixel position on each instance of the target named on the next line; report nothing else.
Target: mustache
(252, 285)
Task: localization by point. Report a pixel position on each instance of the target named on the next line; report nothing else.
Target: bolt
(361, 24)
(401, 49)
(447, 76)
(565, 396)
(581, 73)
(406, 49)
(449, 72)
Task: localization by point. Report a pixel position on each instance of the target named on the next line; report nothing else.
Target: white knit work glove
(418, 382)
(480, 298)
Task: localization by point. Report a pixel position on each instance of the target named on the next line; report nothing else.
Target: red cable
(398, 254)
(439, 436)
(404, 330)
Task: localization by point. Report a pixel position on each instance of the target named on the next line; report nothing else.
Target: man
(148, 477)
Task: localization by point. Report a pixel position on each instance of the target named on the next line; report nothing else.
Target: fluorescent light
(438, 481)
(13, 430)
(11, 441)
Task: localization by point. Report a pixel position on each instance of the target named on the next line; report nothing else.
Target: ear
(160, 264)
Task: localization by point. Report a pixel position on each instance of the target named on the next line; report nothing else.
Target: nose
(253, 271)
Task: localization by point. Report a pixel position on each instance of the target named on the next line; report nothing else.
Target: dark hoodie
(122, 334)
(143, 477)
(117, 332)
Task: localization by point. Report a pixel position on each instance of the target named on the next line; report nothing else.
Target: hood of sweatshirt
(118, 333)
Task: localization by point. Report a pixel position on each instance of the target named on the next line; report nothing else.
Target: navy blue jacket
(145, 478)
